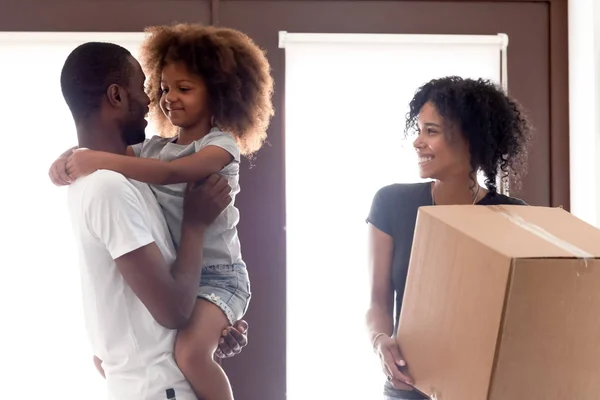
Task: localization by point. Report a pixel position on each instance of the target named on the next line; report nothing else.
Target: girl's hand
(58, 172)
(58, 169)
(83, 162)
(392, 362)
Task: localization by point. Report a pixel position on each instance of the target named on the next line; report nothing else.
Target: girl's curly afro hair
(236, 72)
(493, 124)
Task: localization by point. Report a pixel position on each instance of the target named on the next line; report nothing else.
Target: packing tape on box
(543, 234)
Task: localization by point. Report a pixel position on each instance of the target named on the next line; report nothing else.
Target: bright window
(346, 97)
(584, 109)
(46, 353)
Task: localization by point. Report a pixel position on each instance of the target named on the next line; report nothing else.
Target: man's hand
(83, 162)
(204, 203)
(234, 339)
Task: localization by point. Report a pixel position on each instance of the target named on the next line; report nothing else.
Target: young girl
(210, 90)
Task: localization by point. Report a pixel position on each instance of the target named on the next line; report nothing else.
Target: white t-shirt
(113, 216)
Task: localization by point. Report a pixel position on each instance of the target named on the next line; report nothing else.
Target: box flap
(521, 231)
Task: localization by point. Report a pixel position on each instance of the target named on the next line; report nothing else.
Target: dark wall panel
(98, 15)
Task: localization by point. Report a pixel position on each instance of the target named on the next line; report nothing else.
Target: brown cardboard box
(502, 303)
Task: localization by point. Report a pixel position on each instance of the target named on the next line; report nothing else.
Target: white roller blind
(346, 97)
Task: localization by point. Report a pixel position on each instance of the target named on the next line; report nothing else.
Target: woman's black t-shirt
(394, 211)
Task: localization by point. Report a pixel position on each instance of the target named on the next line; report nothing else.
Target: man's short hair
(88, 72)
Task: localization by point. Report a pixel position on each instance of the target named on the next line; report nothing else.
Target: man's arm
(169, 296)
(116, 218)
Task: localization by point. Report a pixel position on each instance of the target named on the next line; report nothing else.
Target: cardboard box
(503, 303)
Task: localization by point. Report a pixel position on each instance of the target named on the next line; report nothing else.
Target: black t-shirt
(394, 211)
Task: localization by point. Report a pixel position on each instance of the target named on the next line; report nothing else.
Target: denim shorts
(227, 287)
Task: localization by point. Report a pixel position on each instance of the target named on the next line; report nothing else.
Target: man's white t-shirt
(113, 216)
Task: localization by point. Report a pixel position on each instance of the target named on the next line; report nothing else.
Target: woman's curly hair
(493, 124)
(236, 72)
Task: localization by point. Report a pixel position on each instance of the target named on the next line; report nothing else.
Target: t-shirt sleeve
(380, 214)
(223, 140)
(137, 148)
(519, 202)
(140, 147)
(114, 215)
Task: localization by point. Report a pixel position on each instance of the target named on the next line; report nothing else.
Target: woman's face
(441, 149)
(184, 96)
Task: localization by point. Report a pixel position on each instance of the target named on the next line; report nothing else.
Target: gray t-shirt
(221, 242)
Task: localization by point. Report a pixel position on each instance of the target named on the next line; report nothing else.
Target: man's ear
(115, 95)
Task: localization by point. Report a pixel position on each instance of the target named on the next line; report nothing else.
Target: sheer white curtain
(46, 353)
(346, 97)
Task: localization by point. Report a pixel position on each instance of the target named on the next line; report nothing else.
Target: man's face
(134, 124)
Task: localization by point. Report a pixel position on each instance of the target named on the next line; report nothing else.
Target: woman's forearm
(379, 320)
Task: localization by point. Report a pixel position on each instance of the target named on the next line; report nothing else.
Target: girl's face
(438, 157)
(184, 96)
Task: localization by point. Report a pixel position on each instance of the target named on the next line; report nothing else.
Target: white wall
(584, 108)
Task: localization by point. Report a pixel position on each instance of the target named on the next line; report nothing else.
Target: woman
(463, 126)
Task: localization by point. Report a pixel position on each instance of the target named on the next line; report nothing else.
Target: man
(137, 291)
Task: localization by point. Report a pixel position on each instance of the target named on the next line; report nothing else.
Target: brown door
(537, 76)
